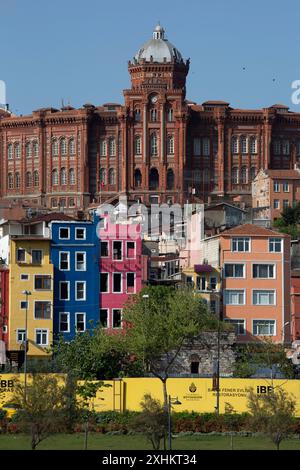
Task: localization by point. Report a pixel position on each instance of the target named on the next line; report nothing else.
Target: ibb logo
(261, 389)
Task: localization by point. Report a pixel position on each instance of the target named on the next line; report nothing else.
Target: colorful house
(75, 258)
(205, 280)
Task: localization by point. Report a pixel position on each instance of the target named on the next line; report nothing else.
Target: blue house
(75, 258)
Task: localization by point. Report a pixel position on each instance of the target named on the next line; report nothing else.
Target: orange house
(256, 282)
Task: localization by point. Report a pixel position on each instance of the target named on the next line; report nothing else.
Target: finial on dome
(159, 32)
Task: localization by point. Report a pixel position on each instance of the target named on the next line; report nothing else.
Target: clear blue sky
(78, 50)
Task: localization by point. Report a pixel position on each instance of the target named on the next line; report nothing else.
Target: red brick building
(158, 146)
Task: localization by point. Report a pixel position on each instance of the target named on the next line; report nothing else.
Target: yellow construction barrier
(194, 394)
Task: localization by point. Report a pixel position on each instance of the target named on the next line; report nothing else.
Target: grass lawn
(104, 442)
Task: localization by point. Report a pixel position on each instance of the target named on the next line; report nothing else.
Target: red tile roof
(250, 229)
(283, 174)
(47, 218)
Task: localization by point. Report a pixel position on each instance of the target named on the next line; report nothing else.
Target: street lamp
(145, 297)
(171, 401)
(283, 330)
(26, 293)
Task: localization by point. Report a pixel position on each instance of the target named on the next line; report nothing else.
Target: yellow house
(30, 295)
(206, 282)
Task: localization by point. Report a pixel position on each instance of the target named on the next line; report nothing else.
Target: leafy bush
(2, 414)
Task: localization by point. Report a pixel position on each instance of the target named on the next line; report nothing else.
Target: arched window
(137, 115)
(28, 179)
(35, 148)
(153, 179)
(28, 150)
(17, 180)
(244, 144)
(17, 150)
(10, 152)
(112, 147)
(243, 175)
(111, 176)
(234, 145)
(205, 146)
(170, 115)
(137, 145)
(72, 147)
(235, 175)
(253, 145)
(10, 181)
(55, 177)
(54, 148)
(153, 115)
(170, 179)
(35, 178)
(170, 145)
(137, 178)
(252, 172)
(63, 176)
(103, 176)
(153, 144)
(285, 147)
(72, 176)
(103, 148)
(63, 146)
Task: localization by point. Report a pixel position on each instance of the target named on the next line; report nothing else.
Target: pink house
(121, 269)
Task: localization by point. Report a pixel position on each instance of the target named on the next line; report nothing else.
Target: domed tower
(155, 122)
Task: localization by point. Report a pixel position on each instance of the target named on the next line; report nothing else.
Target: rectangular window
(80, 321)
(213, 283)
(234, 270)
(23, 304)
(42, 282)
(36, 256)
(64, 322)
(263, 297)
(41, 337)
(42, 309)
(21, 336)
(201, 283)
(64, 261)
(285, 187)
(104, 282)
(206, 147)
(130, 282)
(276, 204)
(130, 250)
(213, 307)
(275, 245)
(276, 186)
(104, 317)
(234, 297)
(117, 318)
(285, 203)
(241, 244)
(239, 324)
(80, 261)
(264, 327)
(80, 233)
(117, 282)
(117, 250)
(64, 233)
(20, 255)
(264, 271)
(197, 146)
(104, 249)
(24, 277)
(64, 290)
(80, 290)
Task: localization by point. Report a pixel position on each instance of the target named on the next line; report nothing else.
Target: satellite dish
(296, 358)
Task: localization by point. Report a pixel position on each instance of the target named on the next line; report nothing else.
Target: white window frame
(24, 308)
(76, 315)
(232, 320)
(268, 264)
(84, 233)
(68, 316)
(134, 290)
(235, 277)
(59, 290)
(235, 290)
(130, 241)
(112, 319)
(108, 285)
(42, 256)
(35, 336)
(243, 238)
(112, 282)
(265, 319)
(42, 275)
(51, 312)
(107, 242)
(285, 185)
(80, 253)
(276, 186)
(264, 290)
(59, 260)
(23, 334)
(64, 228)
(84, 298)
(275, 238)
(122, 250)
(276, 204)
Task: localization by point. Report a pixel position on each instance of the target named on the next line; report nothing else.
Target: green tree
(272, 414)
(151, 421)
(160, 325)
(40, 414)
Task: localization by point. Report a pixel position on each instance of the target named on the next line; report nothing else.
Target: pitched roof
(250, 229)
(47, 218)
(283, 174)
